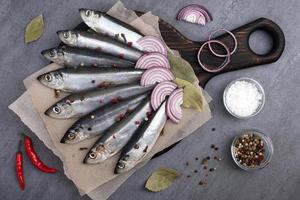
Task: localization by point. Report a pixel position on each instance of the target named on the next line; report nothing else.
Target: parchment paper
(89, 178)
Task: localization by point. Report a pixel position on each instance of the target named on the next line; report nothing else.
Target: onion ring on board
(220, 67)
(233, 37)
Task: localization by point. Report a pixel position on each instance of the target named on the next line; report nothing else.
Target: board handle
(244, 57)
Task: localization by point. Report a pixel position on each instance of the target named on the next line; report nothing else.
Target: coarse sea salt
(243, 98)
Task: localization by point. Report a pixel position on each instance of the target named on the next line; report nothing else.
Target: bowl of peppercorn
(252, 150)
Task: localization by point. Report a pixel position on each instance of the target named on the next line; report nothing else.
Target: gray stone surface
(279, 118)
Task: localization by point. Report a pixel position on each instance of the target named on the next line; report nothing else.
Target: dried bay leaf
(34, 29)
(192, 96)
(161, 179)
(181, 68)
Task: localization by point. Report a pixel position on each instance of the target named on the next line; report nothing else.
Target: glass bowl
(258, 86)
(267, 154)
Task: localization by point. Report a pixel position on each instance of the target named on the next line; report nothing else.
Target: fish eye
(71, 136)
(66, 34)
(88, 13)
(92, 155)
(48, 77)
(51, 53)
(121, 165)
(56, 109)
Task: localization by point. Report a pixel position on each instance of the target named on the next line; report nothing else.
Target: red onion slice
(160, 92)
(234, 40)
(150, 60)
(152, 44)
(156, 75)
(223, 65)
(194, 13)
(173, 108)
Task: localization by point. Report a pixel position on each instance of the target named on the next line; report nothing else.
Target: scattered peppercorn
(200, 183)
(188, 176)
(195, 171)
(212, 146)
(216, 149)
(83, 148)
(205, 167)
(145, 150)
(196, 158)
(56, 93)
(212, 169)
(204, 161)
(207, 158)
(187, 163)
(213, 129)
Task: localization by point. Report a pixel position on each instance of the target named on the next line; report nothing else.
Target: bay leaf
(181, 68)
(161, 179)
(192, 96)
(34, 29)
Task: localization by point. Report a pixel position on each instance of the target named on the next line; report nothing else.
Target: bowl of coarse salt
(244, 98)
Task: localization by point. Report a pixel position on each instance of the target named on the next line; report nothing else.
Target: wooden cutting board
(243, 58)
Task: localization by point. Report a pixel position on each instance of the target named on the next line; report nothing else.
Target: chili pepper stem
(20, 146)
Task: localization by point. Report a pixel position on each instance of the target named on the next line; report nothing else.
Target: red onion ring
(153, 44)
(173, 108)
(220, 67)
(156, 75)
(233, 37)
(160, 92)
(194, 13)
(150, 60)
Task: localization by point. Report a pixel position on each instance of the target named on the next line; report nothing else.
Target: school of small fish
(98, 70)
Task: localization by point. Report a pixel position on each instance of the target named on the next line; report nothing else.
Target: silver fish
(142, 141)
(79, 57)
(100, 43)
(116, 137)
(80, 104)
(82, 79)
(105, 24)
(95, 123)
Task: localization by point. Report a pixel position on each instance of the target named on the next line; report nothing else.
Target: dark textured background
(279, 119)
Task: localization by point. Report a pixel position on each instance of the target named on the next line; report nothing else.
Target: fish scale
(82, 103)
(105, 24)
(142, 141)
(100, 43)
(81, 79)
(95, 123)
(116, 137)
(80, 57)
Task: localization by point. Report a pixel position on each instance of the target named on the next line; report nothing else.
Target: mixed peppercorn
(249, 150)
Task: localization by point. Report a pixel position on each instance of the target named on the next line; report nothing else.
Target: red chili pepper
(19, 167)
(35, 160)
